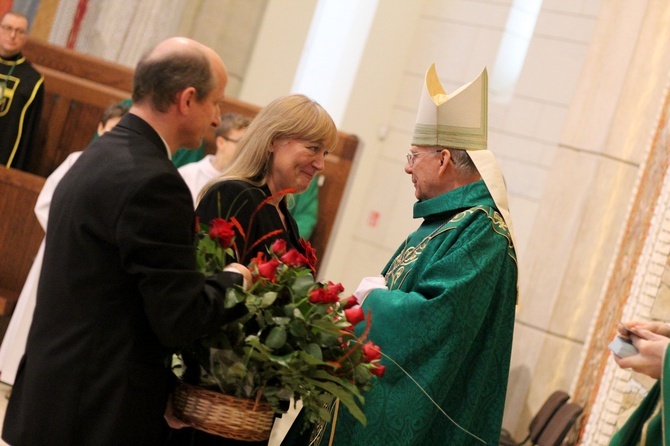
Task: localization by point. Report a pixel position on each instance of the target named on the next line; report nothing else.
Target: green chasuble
(186, 156)
(645, 425)
(305, 209)
(447, 319)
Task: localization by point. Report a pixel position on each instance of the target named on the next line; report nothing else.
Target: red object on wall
(5, 6)
(76, 24)
(373, 218)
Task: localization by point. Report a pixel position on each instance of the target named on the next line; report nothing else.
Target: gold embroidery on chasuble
(497, 223)
(402, 264)
(501, 228)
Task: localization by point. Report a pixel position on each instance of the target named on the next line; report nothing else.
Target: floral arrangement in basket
(297, 341)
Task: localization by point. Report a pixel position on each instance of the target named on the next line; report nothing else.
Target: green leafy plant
(297, 340)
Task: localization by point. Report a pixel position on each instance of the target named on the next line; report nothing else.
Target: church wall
(636, 283)
(278, 47)
(229, 27)
(584, 207)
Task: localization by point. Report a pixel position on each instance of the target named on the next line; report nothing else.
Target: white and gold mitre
(459, 121)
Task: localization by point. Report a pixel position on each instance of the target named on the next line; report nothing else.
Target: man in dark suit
(119, 290)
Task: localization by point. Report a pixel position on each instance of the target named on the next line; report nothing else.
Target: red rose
(310, 254)
(221, 231)
(371, 352)
(378, 370)
(322, 296)
(279, 246)
(349, 302)
(268, 269)
(335, 288)
(293, 258)
(354, 315)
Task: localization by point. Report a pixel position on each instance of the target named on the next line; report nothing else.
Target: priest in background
(21, 94)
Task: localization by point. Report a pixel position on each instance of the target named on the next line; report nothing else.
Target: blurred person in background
(21, 94)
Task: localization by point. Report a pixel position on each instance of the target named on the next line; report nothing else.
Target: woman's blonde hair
(292, 116)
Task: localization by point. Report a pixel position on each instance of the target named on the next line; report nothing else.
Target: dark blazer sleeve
(180, 303)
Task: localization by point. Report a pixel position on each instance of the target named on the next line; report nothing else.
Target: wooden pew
(79, 87)
(20, 233)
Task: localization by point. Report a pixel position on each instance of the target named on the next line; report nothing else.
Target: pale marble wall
(229, 27)
(608, 128)
(277, 51)
(639, 107)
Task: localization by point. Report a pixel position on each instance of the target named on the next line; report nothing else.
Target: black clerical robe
(21, 98)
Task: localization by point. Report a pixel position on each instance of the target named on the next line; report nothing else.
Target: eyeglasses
(11, 30)
(412, 155)
(230, 139)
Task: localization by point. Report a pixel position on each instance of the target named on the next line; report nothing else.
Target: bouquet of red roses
(297, 340)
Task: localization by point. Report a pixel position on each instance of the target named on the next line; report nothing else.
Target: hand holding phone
(622, 347)
(629, 331)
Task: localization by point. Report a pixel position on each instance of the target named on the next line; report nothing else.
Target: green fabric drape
(646, 415)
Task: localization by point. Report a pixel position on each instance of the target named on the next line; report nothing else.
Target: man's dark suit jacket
(118, 292)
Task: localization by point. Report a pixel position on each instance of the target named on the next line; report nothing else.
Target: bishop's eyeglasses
(412, 155)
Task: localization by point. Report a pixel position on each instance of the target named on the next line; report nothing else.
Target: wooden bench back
(20, 232)
(78, 89)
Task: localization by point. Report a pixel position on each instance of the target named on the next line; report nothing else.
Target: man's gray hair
(462, 160)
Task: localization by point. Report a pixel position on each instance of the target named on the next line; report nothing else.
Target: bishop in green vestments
(445, 318)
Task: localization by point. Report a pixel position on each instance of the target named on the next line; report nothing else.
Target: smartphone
(622, 347)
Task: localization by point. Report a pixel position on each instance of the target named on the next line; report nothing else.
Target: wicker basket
(224, 415)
